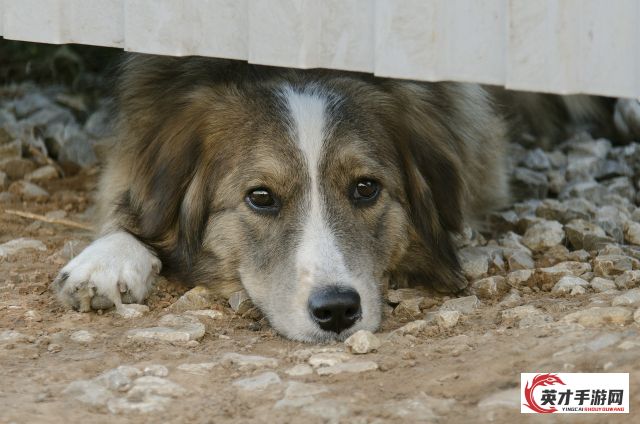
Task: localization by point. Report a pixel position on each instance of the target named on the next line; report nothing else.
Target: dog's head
(310, 193)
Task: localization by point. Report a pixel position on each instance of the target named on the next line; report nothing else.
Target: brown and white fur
(195, 136)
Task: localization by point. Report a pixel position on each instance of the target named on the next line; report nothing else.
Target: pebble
(507, 399)
(447, 319)
(11, 336)
(611, 265)
(347, 367)
(543, 235)
(464, 305)
(248, 362)
(258, 382)
(16, 168)
(209, 313)
(600, 284)
(413, 328)
(177, 329)
(324, 359)
(549, 276)
(298, 394)
(131, 310)
(598, 316)
(490, 287)
(520, 277)
(156, 370)
(44, 173)
(299, 370)
(636, 316)
(628, 279)
(82, 336)
(28, 191)
(201, 368)
(528, 184)
(408, 309)
(240, 302)
(396, 296)
(519, 259)
(362, 341)
(89, 392)
(4, 181)
(632, 232)
(197, 298)
(570, 284)
(32, 315)
(419, 409)
(628, 298)
(15, 246)
(583, 234)
(524, 316)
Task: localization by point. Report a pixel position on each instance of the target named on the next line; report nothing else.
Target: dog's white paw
(627, 118)
(114, 269)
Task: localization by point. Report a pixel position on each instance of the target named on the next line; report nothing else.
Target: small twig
(61, 221)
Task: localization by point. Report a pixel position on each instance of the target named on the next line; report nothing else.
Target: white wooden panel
(187, 27)
(562, 46)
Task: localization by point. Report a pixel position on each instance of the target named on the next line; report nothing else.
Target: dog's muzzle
(335, 308)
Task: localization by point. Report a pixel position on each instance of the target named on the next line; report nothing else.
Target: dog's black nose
(335, 308)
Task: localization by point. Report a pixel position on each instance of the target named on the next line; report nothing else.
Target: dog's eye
(262, 200)
(365, 191)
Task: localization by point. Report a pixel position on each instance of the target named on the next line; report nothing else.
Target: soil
(476, 364)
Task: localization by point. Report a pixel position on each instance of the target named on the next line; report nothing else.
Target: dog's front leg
(116, 268)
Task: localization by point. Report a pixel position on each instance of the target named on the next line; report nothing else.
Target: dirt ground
(467, 373)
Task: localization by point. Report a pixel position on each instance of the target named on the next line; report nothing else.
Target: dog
(313, 190)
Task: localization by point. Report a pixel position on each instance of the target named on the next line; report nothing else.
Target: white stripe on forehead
(319, 260)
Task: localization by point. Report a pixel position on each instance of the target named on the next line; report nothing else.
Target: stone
(201, 368)
(519, 259)
(4, 181)
(584, 189)
(581, 168)
(362, 341)
(520, 277)
(44, 173)
(505, 399)
(298, 394)
(98, 125)
(209, 313)
(464, 305)
(628, 298)
(176, 329)
(299, 370)
(527, 184)
(152, 385)
(17, 168)
(70, 145)
(248, 362)
(347, 367)
(118, 379)
(89, 392)
(543, 235)
(512, 299)
(628, 279)
(490, 287)
(447, 319)
(612, 221)
(258, 382)
(612, 265)
(413, 328)
(474, 262)
(622, 186)
(324, 359)
(408, 309)
(28, 191)
(240, 302)
(419, 409)
(32, 315)
(524, 316)
(82, 336)
(570, 284)
(577, 230)
(396, 296)
(156, 370)
(600, 284)
(19, 245)
(131, 310)
(636, 316)
(11, 336)
(71, 249)
(598, 316)
(199, 297)
(632, 232)
(536, 160)
(546, 278)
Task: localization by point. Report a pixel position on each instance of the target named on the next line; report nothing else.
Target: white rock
(632, 232)
(570, 284)
(259, 382)
(11, 336)
(299, 370)
(88, 391)
(240, 302)
(197, 298)
(447, 319)
(12, 247)
(28, 191)
(82, 336)
(328, 359)
(178, 329)
(362, 341)
(118, 379)
(412, 328)
(143, 405)
(464, 305)
(348, 367)
(524, 316)
(248, 362)
(201, 368)
(600, 284)
(636, 316)
(419, 409)
(628, 279)
(598, 316)
(32, 315)
(47, 172)
(131, 310)
(543, 235)
(505, 399)
(152, 385)
(156, 370)
(209, 313)
(630, 297)
(298, 394)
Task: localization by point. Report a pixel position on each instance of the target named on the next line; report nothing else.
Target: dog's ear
(434, 186)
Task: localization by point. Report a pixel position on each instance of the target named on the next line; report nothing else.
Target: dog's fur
(194, 135)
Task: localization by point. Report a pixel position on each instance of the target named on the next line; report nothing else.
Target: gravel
(19, 245)
(362, 341)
